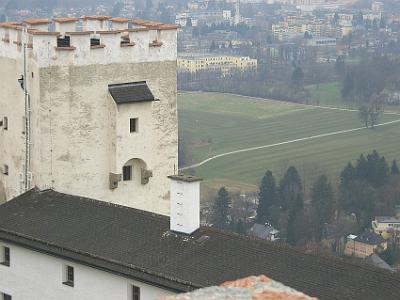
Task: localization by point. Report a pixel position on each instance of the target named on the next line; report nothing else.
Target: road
(284, 143)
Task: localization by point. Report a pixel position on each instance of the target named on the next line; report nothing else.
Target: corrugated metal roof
(131, 92)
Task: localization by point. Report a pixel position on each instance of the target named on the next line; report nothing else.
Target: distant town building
(377, 6)
(264, 231)
(364, 245)
(387, 227)
(226, 64)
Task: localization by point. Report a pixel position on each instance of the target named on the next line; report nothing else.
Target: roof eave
(102, 264)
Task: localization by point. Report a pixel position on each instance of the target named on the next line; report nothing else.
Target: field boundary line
(282, 143)
(288, 102)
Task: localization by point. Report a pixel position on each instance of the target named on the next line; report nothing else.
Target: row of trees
(283, 206)
(369, 84)
(369, 188)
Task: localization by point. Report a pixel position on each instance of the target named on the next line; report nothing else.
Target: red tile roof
(99, 18)
(36, 21)
(120, 20)
(65, 20)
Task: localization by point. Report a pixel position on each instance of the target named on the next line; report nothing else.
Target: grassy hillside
(212, 124)
(329, 94)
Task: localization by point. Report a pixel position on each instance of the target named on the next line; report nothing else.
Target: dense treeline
(368, 188)
(370, 84)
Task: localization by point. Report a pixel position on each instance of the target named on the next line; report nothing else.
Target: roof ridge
(104, 203)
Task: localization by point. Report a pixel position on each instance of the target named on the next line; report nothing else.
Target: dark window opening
(6, 297)
(5, 169)
(63, 42)
(135, 292)
(94, 42)
(5, 123)
(6, 257)
(69, 276)
(125, 40)
(127, 173)
(133, 125)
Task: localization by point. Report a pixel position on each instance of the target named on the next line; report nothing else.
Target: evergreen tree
(240, 228)
(322, 201)
(297, 79)
(394, 170)
(291, 199)
(340, 65)
(348, 174)
(362, 168)
(266, 197)
(377, 172)
(221, 208)
(289, 188)
(348, 88)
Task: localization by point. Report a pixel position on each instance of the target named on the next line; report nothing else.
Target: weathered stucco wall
(12, 140)
(83, 135)
(78, 134)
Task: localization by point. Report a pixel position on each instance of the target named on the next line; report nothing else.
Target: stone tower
(91, 112)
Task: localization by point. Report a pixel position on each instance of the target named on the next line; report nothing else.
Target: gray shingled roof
(131, 92)
(371, 238)
(139, 245)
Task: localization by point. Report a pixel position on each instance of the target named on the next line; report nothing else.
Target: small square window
(5, 169)
(133, 125)
(5, 296)
(127, 173)
(69, 276)
(5, 256)
(135, 292)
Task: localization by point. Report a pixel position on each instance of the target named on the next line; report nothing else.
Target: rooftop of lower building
(139, 245)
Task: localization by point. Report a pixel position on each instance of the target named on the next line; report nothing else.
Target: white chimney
(185, 203)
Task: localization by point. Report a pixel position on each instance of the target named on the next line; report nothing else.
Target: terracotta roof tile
(99, 18)
(154, 25)
(36, 21)
(11, 25)
(65, 20)
(120, 20)
(254, 288)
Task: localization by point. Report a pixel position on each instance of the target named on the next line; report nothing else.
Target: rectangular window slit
(127, 173)
(133, 125)
(135, 292)
(69, 276)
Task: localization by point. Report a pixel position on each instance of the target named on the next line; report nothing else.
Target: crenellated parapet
(89, 40)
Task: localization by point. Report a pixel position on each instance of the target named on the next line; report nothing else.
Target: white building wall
(36, 276)
(79, 134)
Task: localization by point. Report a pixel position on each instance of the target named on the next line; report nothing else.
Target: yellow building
(387, 227)
(224, 63)
(364, 245)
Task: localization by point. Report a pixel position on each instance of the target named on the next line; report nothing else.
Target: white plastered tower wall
(79, 133)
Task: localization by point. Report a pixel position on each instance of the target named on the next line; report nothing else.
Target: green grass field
(212, 124)
(329, 94)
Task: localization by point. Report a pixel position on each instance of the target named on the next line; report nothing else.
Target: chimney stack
(185, 203)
